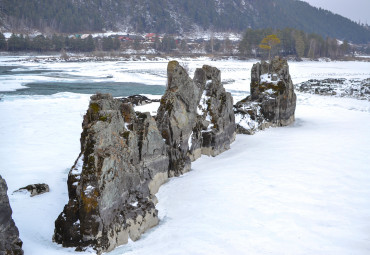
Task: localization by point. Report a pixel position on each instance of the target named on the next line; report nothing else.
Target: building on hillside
(150, 37)
(131, 38)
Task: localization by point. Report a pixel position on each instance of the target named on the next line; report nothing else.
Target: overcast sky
(356, 10)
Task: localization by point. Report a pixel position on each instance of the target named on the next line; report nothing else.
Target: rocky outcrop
(35, 189)
(177, 114)
(353, 88)
(215, 127)
(126, 155)
(111, 186)
(10, 244)
(195, 116)
(138, 100)
(272, 101)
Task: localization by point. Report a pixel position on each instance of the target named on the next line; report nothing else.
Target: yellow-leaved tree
(268, 42)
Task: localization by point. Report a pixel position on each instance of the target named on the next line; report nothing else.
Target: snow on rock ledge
(272, 101)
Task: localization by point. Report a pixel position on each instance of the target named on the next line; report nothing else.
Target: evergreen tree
(41, 43)
(67, 43)
(137, 45)
(107, 44)
(89, 44)
(2, 42)
(116, 44)
(168, 43)
(15, 43)
(344, 47)
(27, 43)
(244, 47)
(57, 42)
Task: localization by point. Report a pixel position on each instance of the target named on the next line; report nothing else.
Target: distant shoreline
(102, 56)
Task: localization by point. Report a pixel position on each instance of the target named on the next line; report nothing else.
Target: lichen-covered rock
(126, 155)
(215, 127)
(272, 101)
(10, 244)
(111, 186)
(177, 114)
(195, 116)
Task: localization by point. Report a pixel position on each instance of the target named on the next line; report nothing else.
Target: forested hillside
(175, 16)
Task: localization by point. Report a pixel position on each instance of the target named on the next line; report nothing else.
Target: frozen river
(302, 189)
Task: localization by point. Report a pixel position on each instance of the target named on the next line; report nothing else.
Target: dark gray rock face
(10, 244)
(195, 116)
(215, 127)
(272, 101)
(177, 114)
(126, 156)
(111, 186)
(36, 189)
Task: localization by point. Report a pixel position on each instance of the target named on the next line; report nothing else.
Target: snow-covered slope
(302, 189)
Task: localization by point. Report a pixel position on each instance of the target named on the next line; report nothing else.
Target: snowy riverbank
(302, 189)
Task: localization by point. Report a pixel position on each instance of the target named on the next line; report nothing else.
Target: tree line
(42, 43)
(293, 42)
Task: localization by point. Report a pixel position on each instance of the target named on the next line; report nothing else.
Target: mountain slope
(174, 16)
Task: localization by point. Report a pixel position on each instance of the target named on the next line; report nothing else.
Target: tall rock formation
(111, 186)
(126, 155)
(177, 114)
(10, 244)
(215, 128)
(272, 101)
(196, 116)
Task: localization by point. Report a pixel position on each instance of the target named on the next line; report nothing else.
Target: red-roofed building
(150, 37)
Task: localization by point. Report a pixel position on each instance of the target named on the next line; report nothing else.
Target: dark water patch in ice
(19, 70)
(117, 89)
(6, 70)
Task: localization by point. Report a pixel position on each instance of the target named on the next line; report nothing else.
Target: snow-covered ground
(302, 189)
